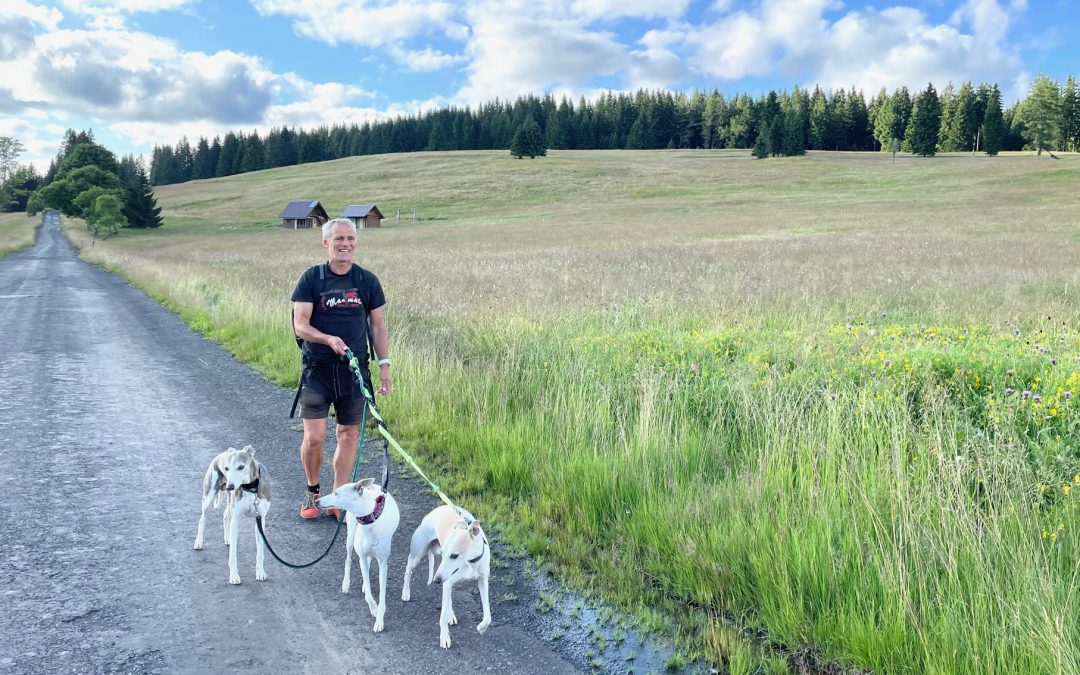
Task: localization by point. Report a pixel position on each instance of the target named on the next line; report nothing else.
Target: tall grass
(16, 232)
(829, 401)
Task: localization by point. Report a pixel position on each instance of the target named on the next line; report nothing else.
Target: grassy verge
(16, 232)
(826, 401)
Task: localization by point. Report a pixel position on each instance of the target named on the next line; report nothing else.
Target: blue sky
(141, 72)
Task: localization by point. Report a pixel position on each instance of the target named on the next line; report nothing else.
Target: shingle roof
(300, 209)
(357, 210)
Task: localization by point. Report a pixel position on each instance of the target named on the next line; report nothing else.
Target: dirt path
(110, 409)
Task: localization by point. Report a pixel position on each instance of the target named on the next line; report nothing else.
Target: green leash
(354, 365)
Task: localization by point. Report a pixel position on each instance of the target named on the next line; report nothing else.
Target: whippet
(369, 534)
(459, 539)
(244, 484)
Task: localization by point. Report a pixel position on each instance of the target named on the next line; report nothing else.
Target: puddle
(595, 637)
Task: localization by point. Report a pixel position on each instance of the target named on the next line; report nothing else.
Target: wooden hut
(363, 215)
(303, 214)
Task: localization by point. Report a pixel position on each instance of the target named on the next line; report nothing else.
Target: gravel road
(110, 410)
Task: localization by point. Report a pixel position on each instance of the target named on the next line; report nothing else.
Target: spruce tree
(140, 206)
(922, 132)
(528, 140)
(964, 123)
(993, 126)
(1042, 114)
(1070, 116)
(761, 148)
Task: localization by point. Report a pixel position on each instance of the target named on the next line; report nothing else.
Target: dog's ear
(364, 483)
(249, 450)
(474, 529)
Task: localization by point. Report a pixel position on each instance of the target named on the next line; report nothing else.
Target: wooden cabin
(363, 215)
(303, 214)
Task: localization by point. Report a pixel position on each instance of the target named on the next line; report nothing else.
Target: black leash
(355, 473)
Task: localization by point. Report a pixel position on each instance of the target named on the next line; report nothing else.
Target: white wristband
(384, 362)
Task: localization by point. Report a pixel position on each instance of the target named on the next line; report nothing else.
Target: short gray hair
(329, 225)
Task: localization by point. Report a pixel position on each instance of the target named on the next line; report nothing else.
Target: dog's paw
(444, 640)
(197, 545)
(453, 620)
(260, 575)
(346, 584)
(483, 626)
(378, 627)
(234, 579)
(405, 595)
(373, 607)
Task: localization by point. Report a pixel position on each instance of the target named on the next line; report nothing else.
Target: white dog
(369, 534)
(466, 555)
(235, 476)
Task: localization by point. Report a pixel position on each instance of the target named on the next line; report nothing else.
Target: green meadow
(818, 409)
(16, 232)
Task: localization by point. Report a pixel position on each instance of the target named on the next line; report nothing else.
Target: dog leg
(260, 556)
(350, 540)
(206, 501)
(233, 535)
(382, 593)
(406, 594)
(365, 565)
(446, 616)
(483, 583)
(226, 518)
(430, 566)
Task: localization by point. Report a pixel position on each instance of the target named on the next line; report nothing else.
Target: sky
(146, 72)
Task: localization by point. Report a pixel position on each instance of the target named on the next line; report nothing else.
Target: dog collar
(252, 487)
(375, 512)
(482, 551)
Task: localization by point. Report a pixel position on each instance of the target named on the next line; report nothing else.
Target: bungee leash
(388, 439)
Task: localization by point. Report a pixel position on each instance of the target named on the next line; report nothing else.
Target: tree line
(86, 181)
(965, 118)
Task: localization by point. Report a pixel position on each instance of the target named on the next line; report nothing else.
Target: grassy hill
(827, 401)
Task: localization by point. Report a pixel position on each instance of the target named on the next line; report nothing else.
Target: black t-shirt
(340, 304)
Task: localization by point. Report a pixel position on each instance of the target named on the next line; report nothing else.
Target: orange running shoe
(309, 509)
(334, 513)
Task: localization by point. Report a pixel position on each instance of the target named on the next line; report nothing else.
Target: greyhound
(368, 534)
(235, 476)
(458, 537)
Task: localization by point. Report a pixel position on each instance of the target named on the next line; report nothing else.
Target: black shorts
(333, 384)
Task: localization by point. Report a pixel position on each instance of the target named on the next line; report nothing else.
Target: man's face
(341, 244)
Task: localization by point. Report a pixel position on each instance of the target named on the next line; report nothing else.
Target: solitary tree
(528, 140)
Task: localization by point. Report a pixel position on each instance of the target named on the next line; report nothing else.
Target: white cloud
(424, 60)
(868, 49)
(366, 23)
(110, 14)
(617, 9)
(122, 75)
(511, 56)
(19, 23)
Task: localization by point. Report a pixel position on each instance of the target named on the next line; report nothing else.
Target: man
(333, 306)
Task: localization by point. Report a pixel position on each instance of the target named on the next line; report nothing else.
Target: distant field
(827, 401)
(16, 231)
